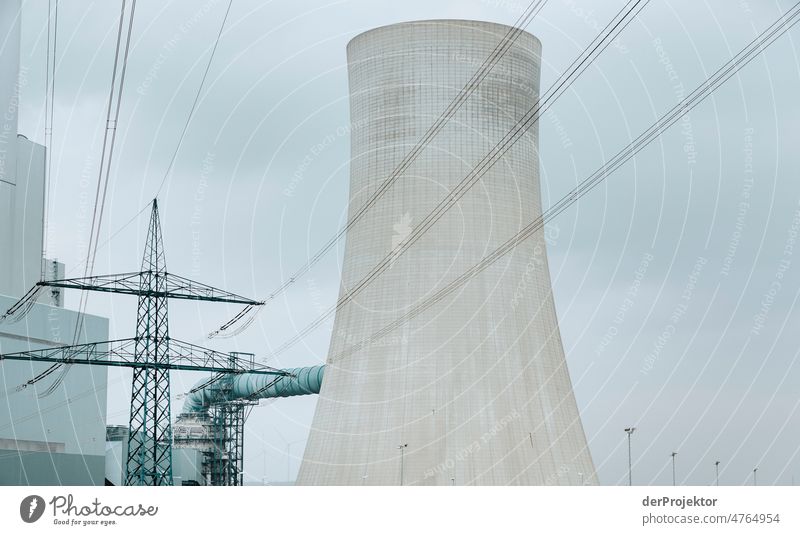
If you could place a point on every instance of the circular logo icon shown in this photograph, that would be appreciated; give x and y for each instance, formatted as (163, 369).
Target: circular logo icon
(31, 508)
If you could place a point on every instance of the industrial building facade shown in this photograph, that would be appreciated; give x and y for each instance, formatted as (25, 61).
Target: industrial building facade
(56, 439)
(475, 390)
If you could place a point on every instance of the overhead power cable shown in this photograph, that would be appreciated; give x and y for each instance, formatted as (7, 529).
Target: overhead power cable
(617, 24)
(472, 84)
(109, 140)
(196, 99)
(724, 73)
(181, 137)
(49, 105)
(19, 310)
(112, 126)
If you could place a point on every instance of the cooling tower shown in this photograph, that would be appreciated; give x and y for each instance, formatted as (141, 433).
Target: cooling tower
(474, 390)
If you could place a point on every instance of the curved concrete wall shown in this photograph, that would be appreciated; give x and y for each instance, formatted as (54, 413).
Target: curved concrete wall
(477, 385)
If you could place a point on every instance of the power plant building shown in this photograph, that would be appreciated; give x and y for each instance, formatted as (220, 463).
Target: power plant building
(56, 439)
(475, 389)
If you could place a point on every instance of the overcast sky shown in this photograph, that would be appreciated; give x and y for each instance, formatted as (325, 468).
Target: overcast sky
(675, 281)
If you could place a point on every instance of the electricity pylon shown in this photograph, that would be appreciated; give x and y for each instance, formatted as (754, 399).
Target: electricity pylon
(153, 355)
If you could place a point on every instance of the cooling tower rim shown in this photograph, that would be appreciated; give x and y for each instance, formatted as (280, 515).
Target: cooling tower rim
(394, 25)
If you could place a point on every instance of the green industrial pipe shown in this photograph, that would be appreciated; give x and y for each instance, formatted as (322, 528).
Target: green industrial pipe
(301, 382)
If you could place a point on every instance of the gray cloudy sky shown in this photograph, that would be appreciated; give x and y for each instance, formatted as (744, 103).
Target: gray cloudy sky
(675, 281)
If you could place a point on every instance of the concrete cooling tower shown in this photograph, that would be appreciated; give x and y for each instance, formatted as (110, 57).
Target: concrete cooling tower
(473, 390)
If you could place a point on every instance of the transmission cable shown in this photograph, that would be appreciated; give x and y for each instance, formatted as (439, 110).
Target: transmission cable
(196, 99)
(166, 174)
(180, 140)
(576, 68)
(724, 73)
(483, 71)
(102, 179)
(49, 105)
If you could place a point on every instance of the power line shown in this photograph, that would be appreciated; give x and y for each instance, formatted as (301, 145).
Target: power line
(755, 47)
(109, 140)
(49, 105)
(95, 230)
(483, 71)
(618, 23)
(180, 139)
(196, 99)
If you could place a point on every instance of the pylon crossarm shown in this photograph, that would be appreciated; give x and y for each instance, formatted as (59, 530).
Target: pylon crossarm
(182, 288)
(117, 283)
(121, 353)
(203, 356)
(175, 287)
(19, 309)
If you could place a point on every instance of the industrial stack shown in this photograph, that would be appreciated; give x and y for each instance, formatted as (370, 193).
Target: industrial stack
(474, 389)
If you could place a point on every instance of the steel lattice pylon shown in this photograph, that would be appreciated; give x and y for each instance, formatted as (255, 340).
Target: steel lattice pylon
(149, 459)
(152, 354)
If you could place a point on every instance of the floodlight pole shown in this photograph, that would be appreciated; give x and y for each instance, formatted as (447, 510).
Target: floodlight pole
(630, 431)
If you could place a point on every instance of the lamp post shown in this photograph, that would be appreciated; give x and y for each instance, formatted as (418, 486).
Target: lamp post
(755, 481)
(716, 465)
(630, 431)
(402, 448)
(289, 458)
(674, 454)
(288, 445)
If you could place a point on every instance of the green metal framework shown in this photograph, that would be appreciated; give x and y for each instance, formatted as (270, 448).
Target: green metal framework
(150, 444)
(121, 353)
(151, 354)
(225, 462)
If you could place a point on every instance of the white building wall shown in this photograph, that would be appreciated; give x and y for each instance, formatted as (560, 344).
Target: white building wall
(72, 419)
(9, 103)
(115, 453)
(27, 218)
(477, 385)
(59, 438)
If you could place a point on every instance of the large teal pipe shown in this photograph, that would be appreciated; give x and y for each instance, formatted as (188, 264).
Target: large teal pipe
(302, 382)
